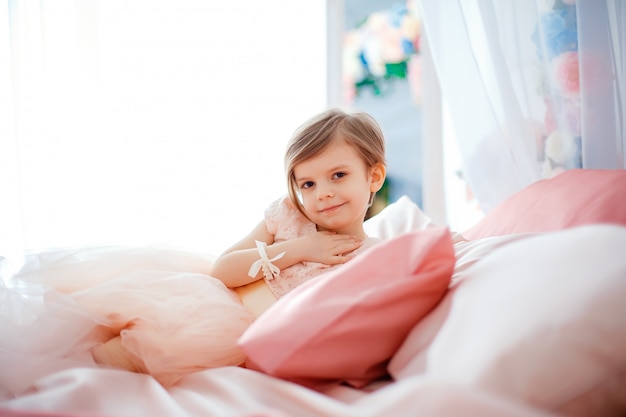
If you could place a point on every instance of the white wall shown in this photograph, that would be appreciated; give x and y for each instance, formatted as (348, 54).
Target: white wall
(150, 121)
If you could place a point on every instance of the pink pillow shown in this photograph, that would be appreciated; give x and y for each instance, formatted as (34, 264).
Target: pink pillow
(573, 198)
(410, 357)
(345, 325)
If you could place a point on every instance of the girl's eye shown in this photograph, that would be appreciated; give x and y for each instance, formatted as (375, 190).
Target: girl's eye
(339, 175)
(307, 184)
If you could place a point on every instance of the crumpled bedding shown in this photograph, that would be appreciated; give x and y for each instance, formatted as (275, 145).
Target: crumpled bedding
(239, 392)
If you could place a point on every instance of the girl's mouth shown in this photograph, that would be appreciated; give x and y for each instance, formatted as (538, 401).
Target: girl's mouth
(331, 208)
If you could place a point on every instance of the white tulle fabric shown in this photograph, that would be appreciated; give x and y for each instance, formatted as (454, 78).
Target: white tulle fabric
(172, 317)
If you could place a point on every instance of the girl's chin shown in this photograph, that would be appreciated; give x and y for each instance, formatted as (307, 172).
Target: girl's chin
(339, 227)
(330, 227)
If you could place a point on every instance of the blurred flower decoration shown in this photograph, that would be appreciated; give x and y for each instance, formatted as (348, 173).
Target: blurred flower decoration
(556, 40)
(382, 48)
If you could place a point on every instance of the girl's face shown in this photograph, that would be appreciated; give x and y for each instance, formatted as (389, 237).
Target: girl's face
(336, 186)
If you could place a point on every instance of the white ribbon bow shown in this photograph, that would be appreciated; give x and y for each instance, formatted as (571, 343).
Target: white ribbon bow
(269, 269)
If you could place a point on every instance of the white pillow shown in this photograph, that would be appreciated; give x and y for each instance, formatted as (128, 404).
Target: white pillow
(543, 321)
(397, 218)
(410, 359)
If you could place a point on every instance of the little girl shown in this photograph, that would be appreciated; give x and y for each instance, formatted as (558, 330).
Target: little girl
(335, 163)
(168, 313)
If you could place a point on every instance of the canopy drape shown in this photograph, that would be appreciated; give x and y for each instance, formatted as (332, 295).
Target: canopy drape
(532, 87)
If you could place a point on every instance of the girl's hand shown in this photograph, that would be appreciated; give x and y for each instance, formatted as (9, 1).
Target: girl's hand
(329, 248)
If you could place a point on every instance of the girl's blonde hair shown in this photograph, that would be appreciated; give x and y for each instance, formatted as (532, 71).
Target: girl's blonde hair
(357, 129)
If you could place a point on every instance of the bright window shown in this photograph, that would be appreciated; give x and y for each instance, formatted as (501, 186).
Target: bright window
(158, 122)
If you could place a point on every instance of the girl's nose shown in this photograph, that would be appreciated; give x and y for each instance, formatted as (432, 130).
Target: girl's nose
(324, 192)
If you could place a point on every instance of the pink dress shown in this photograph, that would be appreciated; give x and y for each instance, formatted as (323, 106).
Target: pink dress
(172, 317)
(285, 222)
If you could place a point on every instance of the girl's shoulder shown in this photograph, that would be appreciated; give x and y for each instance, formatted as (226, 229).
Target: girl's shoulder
(281, 204)
(284, 220)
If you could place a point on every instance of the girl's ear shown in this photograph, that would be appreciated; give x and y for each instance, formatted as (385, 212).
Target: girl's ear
(378, 173)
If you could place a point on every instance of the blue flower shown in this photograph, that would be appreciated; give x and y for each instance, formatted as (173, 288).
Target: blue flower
(364, 63)
(408, 47)
(378, 50)
(396, 14)
(556, 33)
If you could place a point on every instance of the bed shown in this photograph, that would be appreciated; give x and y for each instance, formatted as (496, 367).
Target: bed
(521, 315)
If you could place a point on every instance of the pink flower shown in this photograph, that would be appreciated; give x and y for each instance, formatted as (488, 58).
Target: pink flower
(349, 89)
(392, 46)
(566, 76)
(562, 113)
(414, 75)
(571, 116)
(550, 119)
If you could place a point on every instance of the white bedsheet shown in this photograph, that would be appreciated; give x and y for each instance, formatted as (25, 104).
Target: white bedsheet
(234, 391)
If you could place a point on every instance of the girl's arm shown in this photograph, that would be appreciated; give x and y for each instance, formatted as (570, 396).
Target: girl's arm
(232, 266)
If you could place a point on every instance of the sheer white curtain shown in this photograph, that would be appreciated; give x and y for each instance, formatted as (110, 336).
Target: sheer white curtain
(533, 87)
(150, 121)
